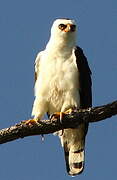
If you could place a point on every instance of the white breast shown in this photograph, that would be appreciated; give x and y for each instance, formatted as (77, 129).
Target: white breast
(57, 85)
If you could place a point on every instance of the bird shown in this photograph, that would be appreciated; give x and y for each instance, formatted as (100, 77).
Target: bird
(63, 82)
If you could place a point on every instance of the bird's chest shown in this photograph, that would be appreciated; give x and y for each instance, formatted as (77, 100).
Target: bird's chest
(58, 83)
(61, 74)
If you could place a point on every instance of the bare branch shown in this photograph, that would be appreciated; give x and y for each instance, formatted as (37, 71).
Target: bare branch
(71, 120)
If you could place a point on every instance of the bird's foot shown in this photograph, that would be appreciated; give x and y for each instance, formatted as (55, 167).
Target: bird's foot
(57, 115)
(60, 115)
(69, 111)
(31, 121)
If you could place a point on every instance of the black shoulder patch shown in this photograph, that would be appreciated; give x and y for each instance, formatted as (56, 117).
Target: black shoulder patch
(84, 78)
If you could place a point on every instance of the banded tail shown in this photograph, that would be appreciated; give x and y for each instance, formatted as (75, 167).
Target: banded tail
(73, 142)
(74, 160)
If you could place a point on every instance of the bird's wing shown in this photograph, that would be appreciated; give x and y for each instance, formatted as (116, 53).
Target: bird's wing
(36, 66)
(84, 79)
(75, 152)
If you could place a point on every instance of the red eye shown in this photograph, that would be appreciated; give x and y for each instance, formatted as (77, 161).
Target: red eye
(62, 26)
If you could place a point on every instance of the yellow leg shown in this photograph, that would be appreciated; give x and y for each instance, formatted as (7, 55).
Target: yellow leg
(69, 111)
(58, 115)
(31, 121)
(61, 114)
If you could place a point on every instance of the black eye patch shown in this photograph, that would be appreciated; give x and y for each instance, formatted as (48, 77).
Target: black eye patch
(62, 26)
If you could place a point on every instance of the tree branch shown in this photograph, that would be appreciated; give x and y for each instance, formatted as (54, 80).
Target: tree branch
(72, 120)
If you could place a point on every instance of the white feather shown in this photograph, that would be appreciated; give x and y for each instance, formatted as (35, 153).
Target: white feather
(56, 88)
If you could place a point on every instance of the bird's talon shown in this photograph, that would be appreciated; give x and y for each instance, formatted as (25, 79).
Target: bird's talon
(42, 137)
(31, 122)
(69, 111)
(62, 131)
(61, 114)
(51, 117)
(56, 115)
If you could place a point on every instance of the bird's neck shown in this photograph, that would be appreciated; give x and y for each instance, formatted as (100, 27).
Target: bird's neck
(60, 44)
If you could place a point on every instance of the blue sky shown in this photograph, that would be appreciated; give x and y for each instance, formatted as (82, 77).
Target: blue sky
(24, 30)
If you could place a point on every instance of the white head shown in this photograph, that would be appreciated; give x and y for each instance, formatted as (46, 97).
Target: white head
(63, 31)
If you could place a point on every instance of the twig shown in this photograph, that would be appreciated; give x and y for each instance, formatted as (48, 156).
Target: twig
(71, 120)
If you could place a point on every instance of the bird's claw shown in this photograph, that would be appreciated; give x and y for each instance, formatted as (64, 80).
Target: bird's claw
(60, 115)
(31, 122)
(69, 111)
(57, 115)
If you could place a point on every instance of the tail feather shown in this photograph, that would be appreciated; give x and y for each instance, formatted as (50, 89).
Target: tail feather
(74, 161)
(73, 142)
(67, 161)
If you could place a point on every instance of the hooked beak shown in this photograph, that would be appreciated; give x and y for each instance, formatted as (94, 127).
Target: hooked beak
(70, 28)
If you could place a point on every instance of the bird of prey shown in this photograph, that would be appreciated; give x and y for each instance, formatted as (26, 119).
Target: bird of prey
(62, 82)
